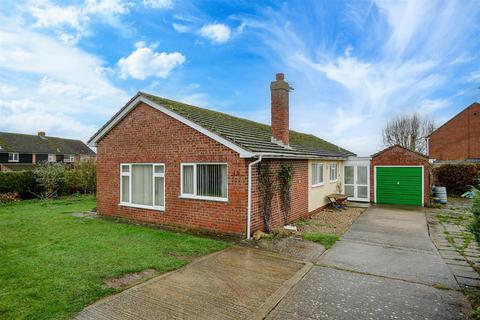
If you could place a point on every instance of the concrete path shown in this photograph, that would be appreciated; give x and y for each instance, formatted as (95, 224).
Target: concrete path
(385, 267)
(238, 283)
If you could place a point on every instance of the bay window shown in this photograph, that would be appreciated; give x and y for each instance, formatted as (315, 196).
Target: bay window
(142, 185)
(206, 181)
(317, 174)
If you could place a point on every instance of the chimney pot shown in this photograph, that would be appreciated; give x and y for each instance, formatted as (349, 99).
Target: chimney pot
(279, 90)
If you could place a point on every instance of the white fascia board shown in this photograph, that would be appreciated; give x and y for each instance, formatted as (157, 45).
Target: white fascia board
(242, 152)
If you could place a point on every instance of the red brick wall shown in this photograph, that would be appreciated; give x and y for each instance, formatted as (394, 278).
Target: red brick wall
(400, 156)
(459, 138)
(147, 135)
(299, 193)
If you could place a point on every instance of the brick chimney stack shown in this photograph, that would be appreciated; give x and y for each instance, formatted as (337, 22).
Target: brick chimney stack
(280, 122)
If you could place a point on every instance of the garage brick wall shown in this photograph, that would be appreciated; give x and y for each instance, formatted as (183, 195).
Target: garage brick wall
(398, 156)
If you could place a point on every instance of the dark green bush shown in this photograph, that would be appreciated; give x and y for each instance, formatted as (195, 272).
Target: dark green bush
(21, 182)
(457, 178)
(81, 177)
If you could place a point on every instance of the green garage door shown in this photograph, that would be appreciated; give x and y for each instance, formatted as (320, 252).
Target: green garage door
(399, 185)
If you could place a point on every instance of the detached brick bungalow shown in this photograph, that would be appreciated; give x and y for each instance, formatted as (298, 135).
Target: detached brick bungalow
(458, 139)
(168, 163)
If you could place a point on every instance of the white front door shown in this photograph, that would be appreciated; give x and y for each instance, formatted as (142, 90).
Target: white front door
(356, 179)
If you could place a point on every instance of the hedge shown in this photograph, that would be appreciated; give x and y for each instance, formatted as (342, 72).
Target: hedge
(21, 182)
(457, 178)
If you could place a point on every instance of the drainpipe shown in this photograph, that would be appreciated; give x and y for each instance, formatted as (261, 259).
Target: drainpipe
(249, 205)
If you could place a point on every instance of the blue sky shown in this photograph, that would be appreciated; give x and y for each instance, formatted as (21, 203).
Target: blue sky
(67, 66)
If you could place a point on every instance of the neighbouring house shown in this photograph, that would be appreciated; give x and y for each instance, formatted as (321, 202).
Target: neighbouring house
(24, 151)
(164, 162)
(458, 139)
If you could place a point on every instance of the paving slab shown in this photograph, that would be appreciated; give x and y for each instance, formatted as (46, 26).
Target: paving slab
(326, 293)
(238, 283)
(415, 266)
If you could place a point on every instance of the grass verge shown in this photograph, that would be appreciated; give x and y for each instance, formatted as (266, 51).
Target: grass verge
(326, 240)
(53, 264)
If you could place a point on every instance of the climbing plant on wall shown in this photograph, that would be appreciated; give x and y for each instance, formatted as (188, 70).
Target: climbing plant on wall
(266, 184)
(285, 177)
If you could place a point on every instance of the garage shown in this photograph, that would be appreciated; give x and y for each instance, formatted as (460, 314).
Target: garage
(399, 177)
(399, 185)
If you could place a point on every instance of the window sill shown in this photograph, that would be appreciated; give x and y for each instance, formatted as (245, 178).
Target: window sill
(185, 196)
(333, 181)
(139, 206)
(13, 161)
(317, 185)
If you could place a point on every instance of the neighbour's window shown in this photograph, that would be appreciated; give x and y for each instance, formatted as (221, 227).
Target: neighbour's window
(142, 185)
(13, 157)
(204, 181)
(52, 158)
(317, 174)
(333, 172)
(68, 158)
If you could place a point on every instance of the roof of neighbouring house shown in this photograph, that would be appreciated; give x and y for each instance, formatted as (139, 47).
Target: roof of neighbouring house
(249, 135)
(27, 143)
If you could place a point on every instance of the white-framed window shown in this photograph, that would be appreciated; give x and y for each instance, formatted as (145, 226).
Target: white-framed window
(52, 158)
(68, 158)
(142, 185)
(317, 174)
(12, 157)
(333, 172)
(206, 181)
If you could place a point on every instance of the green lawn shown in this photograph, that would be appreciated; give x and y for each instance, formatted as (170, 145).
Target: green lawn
(52, 264)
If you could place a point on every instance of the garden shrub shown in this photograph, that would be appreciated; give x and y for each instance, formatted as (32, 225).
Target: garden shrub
(475, 226)
(81, 177)
(50, 177)
(457, 178)
(9, 197)
(21, 182)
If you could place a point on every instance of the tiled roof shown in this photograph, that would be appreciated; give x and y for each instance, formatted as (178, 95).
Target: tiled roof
(27, 143)
(249, 135)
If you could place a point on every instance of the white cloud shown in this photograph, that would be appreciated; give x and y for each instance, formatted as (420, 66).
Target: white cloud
(71, 22)
(144, 62)
(52, 86)
(48, 15)
(217, 32)
(180, 27)
(474, 76)
(158, 4)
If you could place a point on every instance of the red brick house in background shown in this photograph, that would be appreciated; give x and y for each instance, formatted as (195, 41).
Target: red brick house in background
(164, 162)
(459, 138)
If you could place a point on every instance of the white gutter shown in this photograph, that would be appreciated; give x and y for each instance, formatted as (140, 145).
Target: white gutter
(249, 205)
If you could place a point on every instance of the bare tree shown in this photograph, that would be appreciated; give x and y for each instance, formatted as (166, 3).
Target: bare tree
(409, 131)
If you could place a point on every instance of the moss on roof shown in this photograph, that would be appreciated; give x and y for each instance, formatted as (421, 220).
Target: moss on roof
(248, 134)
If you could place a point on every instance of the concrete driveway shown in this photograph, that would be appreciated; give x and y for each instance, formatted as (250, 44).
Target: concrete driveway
(385, 267)
(237, 283)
